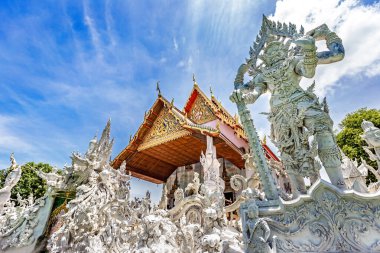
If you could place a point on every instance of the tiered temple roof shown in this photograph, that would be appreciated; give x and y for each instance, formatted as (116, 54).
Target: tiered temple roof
(169, 138)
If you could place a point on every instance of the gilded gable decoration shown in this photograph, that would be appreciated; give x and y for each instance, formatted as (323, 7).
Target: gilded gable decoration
(201, 112)
(165, 128)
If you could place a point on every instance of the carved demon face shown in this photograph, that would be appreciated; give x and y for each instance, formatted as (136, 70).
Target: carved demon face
(274, 52)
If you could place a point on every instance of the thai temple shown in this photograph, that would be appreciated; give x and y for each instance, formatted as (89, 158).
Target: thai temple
(168, 144)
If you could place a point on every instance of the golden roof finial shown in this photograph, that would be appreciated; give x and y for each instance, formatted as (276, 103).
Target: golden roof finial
(211, 92)
(194, 81)
(264, 141)
(158, 88)
(236, 117)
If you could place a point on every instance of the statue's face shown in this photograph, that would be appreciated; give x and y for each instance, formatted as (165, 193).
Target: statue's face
(275, 54)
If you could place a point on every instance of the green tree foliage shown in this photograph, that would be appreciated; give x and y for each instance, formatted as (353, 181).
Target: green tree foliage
(349, 139)
(29, 182)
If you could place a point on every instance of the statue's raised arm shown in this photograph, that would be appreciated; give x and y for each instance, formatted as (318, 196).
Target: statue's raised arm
(309, 57)
(334, 44)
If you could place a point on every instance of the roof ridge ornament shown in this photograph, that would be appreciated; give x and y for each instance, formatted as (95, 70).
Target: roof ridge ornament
(194, 81)
(158, 88)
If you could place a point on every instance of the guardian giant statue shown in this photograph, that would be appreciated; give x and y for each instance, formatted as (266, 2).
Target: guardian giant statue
(301, 127)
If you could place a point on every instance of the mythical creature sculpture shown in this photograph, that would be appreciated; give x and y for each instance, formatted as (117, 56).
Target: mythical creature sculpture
(193, 188)
(164, 198)
(10, 182)
(178, 196)
(158, 234)
(100, 218)
(372, 136)
(52, 179)
(19, 223)
(296, 114)
(211, 165)
(256, 231)
(354, 177)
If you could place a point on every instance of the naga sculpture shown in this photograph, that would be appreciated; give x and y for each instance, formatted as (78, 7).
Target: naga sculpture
(296, 115)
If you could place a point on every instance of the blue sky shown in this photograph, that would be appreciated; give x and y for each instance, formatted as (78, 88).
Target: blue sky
(68, 66)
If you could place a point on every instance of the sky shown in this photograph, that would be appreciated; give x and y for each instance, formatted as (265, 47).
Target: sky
(66, 67)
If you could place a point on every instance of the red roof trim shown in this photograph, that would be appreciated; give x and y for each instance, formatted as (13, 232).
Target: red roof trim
(191, 100)
(269, 152)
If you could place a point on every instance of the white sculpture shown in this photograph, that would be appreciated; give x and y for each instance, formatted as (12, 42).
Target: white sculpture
(20, 225)
(99, 218)
(372, 136)
(12, 178)
(193, 188)
(328, 220)
(256, 231)
(52, 178)
(296, 114)
(354, 177)
(211, 167)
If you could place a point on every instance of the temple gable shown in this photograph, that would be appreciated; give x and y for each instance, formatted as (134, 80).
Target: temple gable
(200, 112)
(165, 128)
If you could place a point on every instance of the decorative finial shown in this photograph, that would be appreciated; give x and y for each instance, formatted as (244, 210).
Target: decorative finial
(172, 102)
(130, 138)
(13, 161)
(211, 92)
(236, 117)
(194, 81)
(158, 88)
(264, 141)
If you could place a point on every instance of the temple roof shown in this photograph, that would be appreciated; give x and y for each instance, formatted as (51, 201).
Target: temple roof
(169, 138)
(202, 109)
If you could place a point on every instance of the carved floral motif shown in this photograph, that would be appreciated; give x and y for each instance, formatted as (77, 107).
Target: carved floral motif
(328, 222)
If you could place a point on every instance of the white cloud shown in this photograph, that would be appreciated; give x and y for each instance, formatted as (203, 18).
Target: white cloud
(8, 139)
(175, 44)
(355, 23)
(95, 36)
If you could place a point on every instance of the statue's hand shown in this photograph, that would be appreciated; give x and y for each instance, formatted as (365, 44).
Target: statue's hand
(305, 42)
(320, 32)
(239, 79)
(236, 96)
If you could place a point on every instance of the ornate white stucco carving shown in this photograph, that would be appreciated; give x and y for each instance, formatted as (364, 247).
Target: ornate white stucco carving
(256, 232)
(328, 220)
(21, 221)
